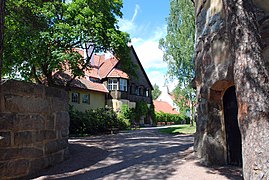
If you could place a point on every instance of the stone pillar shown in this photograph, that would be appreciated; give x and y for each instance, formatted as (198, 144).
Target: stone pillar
(34, 128)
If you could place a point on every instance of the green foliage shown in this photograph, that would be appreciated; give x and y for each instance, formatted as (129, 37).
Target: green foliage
(180, 129)
(126, 115)
(141, 109)
(152, 114)
(41, 36)
(94, 121)
(178, 47)
(176, 118)
(156, 92)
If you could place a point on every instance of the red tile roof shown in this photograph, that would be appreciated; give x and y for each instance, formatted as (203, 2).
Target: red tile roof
(98, 60)
(107, 67)
(61, 78)
(92, 72)
(161, 106)
(94, 86)
(117, 73)
(100, 69)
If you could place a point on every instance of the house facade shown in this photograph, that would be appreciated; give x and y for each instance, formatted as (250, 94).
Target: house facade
(105, 83)
(168, 97)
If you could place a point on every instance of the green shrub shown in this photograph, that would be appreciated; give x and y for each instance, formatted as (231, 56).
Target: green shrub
(124, 124)
(93, 121)
(165, 117)
(141, 109)
(126, 116)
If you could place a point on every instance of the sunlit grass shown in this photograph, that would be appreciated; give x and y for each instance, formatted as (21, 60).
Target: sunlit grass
(179, 129)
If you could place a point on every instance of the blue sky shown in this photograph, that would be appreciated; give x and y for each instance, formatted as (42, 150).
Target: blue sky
(145, 21)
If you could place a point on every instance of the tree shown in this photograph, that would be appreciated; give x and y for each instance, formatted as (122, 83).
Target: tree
(156, 92)
(41, 36)
(182, 101)
(2, 17)
(178, 47)
(252, 88)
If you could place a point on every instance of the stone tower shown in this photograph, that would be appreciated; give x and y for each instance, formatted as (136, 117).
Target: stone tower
(218, 138)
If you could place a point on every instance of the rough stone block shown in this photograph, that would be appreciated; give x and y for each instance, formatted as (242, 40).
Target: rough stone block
(17, 153)
(23, 104)
(51, 147)
(30, 122)
(7, 121)
(5, 139)
(14, 169)
(23, 88)
(62, 120)
(55, 158)
(55, 146)
(50, 122)
(59, 105)
(65, 133)
(24, 138)
(38, 122)
(56, 93)
(38, 164)
(49, 134)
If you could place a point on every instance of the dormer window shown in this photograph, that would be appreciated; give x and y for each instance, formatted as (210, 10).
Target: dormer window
(112, 84)
(123, 84)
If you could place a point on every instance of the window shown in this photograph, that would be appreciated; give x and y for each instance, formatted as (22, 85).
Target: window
(123, 84)
(136, 90)
(141, 91)
(75, 97)
(147, 92)
(86, 98)
(94, 79)
(131, 89)
(112, 84)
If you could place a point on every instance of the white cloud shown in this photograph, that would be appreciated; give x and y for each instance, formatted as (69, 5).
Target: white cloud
(150, 55)
(135, 13)
(159, 78)
(156, 77)
(148, 50)
(128, 25)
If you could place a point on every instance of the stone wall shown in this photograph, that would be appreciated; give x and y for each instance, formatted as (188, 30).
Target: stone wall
(34, 128)
(214, 74)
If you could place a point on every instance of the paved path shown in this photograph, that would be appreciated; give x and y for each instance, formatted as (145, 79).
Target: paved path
(141, 154)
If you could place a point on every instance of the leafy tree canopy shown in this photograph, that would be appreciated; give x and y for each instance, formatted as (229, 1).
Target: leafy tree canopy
(156, 91)
(41, 35)
(178, 47)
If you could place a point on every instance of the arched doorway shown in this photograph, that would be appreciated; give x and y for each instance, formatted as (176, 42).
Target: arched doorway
(233, 135)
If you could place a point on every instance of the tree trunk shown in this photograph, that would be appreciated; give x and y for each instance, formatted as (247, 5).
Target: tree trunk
(252, 87)
(2, 17)
(191, 109)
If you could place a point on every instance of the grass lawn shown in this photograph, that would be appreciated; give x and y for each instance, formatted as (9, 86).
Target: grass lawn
(179, 129)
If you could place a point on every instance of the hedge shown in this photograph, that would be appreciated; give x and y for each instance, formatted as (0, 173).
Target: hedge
(97, 121)
(175, 118)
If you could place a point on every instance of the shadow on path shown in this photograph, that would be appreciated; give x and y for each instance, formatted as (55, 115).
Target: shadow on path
(141, 154)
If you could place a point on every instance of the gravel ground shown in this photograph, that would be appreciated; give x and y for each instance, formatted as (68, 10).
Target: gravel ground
(141, 154)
